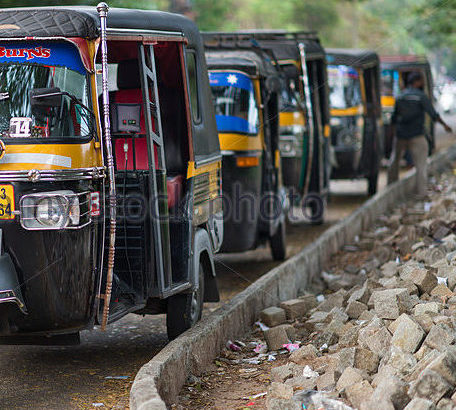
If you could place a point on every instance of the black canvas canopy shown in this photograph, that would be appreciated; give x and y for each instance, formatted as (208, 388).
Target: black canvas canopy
(75, 21)
(247, 61)
(352, 57)
(284, 44)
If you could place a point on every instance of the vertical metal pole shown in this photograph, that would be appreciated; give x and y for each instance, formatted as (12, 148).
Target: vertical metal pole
(102, 9)
(310, 116)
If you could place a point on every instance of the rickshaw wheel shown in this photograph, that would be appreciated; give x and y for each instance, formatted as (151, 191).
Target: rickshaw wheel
(185, 309)
(278, 243)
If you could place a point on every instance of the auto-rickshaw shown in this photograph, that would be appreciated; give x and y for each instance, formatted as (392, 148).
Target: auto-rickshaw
(245, 87)
(394, 73)
(304, 111)
(110, 195)
(356, 116)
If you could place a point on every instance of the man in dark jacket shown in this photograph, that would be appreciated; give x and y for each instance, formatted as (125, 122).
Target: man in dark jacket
(408, 121)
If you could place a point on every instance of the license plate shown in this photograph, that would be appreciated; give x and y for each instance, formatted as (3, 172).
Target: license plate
(6, 202)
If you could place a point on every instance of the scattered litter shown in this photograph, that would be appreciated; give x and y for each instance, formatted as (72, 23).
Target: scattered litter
(98, 404)
(248, 370)
(117, 377)
(232, 346)
(363, 271)
(323, 347)
(308, 373)
(320, 298)
(262, 326)
(251, 361)
(291, 347)
(427, 206)
(260, 348)
(398, 260)
(255, 396)
(271, 358)
(442, 280)
(357, 238)
(239, 343)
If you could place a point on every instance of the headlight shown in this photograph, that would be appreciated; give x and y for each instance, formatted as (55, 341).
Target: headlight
(52, 211)
(335, 121)
(55, 210)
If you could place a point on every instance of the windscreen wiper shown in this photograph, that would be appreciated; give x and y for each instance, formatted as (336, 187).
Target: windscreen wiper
(70, 96)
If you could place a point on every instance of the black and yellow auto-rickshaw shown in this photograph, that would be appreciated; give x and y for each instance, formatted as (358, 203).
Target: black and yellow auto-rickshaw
(356, 115)
(304, 111)
(111, 203)
(245, 87)
(395, 70)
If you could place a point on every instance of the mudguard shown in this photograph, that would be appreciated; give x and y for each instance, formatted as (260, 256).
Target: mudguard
(203, 252)
(10, 290)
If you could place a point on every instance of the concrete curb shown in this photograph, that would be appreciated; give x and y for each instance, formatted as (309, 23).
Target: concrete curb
(159, 382)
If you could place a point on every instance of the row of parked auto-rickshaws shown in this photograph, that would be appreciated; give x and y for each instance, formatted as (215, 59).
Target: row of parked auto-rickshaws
(132, 150)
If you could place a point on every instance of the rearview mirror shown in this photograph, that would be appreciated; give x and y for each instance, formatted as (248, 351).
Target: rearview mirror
(46, 97)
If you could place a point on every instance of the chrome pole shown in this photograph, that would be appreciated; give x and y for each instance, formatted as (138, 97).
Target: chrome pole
(310, 116)
(102, 9)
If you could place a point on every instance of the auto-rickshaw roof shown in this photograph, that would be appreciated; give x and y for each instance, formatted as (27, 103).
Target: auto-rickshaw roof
(352, 57)
(83, 21)
(284, 44)
(247, 61)
(398, 62)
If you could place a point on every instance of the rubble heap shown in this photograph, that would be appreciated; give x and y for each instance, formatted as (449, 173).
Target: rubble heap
(385, 337)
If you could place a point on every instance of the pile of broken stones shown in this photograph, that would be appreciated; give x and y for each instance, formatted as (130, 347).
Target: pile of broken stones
(382, 334)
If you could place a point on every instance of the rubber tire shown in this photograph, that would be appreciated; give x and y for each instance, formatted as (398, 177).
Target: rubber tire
(278, 242)
(372, 184)
(184, 310)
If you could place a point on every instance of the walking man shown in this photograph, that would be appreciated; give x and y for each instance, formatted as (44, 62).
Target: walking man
(408, 122)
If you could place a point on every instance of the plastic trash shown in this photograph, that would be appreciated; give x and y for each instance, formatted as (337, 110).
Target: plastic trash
(320, 298)
(260, 348)
(271, 358)
(442, 280)
(308, 373)
(233, 346)
(291, 347)
(311, 399)
(117, 377)
(262, 326)
(255, 396)
(98, 404)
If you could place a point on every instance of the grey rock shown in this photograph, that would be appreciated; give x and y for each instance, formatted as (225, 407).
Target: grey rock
(273, 316)
(418, 403)
(408, 335)
(430, 385)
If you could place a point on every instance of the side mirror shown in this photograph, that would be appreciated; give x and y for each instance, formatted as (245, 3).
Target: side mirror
(46, 97)
(273, 84)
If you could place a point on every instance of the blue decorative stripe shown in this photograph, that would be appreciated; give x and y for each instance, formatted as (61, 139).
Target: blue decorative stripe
(62, 54)
(229, 123)
(230, 79)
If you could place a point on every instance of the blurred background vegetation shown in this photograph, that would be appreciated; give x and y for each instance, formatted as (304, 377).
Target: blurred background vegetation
(387, 26)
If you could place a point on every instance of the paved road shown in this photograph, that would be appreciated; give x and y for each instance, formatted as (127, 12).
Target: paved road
(75, 377)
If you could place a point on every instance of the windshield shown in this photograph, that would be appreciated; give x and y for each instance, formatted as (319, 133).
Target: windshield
(234, 101)
(390, 83)
(344, 86)
(35, 80)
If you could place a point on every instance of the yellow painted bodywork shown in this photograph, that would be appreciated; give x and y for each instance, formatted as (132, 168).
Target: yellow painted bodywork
(388, 101)
(346, 112)
(239, 142)
(82, 156)
(193, 171)
(288, 119)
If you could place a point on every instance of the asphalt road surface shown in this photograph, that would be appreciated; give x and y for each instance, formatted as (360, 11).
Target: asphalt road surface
(99, 372)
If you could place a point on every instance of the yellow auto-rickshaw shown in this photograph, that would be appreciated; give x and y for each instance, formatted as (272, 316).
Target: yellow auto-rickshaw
(110, 195)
